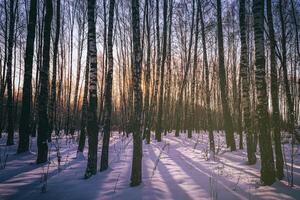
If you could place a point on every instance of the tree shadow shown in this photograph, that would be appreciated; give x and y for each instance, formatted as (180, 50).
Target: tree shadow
(174, 188)
(198, 173)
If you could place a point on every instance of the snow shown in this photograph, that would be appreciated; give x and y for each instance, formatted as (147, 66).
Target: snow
(176, 168)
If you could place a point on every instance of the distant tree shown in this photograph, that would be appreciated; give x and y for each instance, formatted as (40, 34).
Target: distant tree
(274, 94)
(72, 7)
(158, 52)
(228, 126)
(104, 64)
(296, 30)
(207, 90)
(195, 63)
(108, 90)
(84, 108)
(53, 97)
(147, 77)
(187, 65)
(162, 74)
(290, 102)
(4, 67)
(39, 60)
(168, 102)
(10, 123)
(80, 16)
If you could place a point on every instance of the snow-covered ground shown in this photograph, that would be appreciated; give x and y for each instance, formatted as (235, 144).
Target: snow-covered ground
(176, 168)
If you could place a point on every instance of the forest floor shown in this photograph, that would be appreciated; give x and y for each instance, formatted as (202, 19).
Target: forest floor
(176, 168)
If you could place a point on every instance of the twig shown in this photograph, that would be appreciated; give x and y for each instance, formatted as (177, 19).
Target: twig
(158, 158)
(117, 182)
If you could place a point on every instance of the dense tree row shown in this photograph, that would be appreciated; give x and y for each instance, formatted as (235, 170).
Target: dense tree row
(77, 68)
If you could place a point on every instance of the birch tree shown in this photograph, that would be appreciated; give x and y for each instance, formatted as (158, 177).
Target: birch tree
(266, 150)
(244, 67)
(136, 170)
(92, 126)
